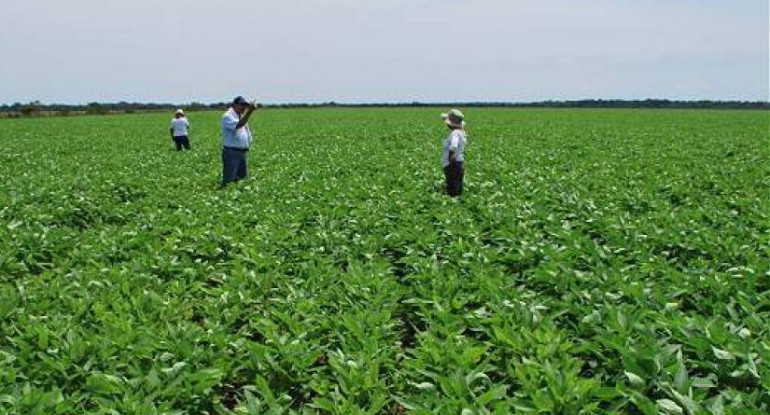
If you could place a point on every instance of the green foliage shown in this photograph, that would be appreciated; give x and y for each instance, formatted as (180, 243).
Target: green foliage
(599, 262)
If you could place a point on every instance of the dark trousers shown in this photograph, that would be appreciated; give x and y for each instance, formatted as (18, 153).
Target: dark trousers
(233, 165)
(454, 173)
(182, 141)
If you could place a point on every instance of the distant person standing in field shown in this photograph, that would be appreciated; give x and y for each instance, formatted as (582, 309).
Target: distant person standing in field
(179, 127)
(236, 140)
(452, 156)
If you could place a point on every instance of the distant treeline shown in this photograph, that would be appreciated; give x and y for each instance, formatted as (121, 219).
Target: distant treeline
(36, 108)
(585, 103)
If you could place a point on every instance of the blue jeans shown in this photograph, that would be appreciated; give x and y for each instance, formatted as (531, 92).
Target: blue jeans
(233, 165)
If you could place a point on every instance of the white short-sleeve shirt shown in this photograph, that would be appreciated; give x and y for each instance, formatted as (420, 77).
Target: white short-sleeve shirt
(180, 126)
(234, 137)
(455, 142)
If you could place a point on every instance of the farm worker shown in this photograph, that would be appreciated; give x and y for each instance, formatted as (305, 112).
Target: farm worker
(236, 140)
(179, 126)
(452, 156)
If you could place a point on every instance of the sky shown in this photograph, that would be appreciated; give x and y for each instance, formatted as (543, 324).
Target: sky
(181, 51)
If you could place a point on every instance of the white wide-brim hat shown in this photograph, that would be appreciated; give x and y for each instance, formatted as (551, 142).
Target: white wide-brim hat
(179, 111)
(454, 118)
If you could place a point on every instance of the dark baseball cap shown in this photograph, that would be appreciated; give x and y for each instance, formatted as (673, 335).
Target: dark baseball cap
(239, 100)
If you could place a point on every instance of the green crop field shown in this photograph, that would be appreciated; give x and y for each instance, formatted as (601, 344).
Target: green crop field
(599, 261)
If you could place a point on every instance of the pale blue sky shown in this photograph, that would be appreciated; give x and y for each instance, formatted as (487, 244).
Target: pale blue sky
(180, 51)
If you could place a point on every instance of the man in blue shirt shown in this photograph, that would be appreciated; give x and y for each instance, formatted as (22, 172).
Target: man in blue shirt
(236, 140)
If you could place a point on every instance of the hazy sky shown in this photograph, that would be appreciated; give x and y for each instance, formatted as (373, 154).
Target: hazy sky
(180, 51)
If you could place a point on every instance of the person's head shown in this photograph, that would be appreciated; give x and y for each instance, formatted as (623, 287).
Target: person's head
(240, 104)
(179, 113)
(454, 119)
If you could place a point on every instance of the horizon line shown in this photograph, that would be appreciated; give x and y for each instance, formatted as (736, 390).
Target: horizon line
(397, 103)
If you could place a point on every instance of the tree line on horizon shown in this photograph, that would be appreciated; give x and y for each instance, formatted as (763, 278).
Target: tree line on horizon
(36, 108)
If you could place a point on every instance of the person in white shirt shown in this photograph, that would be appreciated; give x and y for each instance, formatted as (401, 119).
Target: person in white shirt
(452, 157)
(236, 140)
(179, 127)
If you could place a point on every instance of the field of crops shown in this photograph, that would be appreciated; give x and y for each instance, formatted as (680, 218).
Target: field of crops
(599, 261)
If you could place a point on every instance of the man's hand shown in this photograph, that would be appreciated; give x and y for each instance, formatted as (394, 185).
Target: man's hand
(252, 106)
